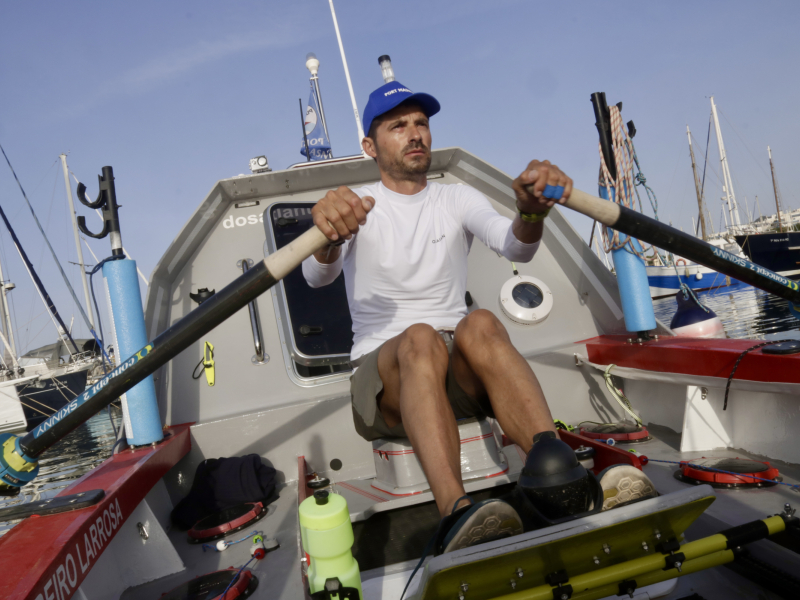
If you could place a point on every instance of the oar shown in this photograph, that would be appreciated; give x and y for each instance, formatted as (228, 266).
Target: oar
(668, 238)
(18, 463)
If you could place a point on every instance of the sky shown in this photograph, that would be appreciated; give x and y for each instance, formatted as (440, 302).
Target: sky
(178, 95)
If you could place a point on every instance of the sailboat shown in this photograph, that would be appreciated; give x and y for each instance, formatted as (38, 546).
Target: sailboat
(777, 250)
(46, 379)
(667, 279)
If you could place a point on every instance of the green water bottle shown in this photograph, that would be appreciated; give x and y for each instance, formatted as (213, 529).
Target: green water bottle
(327, 537)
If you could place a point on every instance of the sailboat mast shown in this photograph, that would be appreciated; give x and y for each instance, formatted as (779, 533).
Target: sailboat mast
(730, 197)
(775, 189)
(697, 187)
(61, 328)
(7, 329)
(73, 216)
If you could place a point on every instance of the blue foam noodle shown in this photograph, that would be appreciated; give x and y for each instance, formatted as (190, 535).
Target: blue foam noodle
(142, 419)
(634, 289)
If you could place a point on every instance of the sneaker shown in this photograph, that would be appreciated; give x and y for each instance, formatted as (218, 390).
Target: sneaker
(482, 522)
(625, 484)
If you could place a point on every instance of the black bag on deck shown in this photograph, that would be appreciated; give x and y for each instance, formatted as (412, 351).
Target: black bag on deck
(223, 483)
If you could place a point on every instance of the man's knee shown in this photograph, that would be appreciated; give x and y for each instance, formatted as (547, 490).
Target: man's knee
(478, 329)
(421, 343)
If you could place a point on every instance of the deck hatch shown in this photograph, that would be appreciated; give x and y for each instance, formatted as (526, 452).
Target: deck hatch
(317, 324)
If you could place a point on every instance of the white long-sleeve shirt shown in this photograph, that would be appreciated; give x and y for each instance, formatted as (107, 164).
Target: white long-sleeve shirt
(408, 263)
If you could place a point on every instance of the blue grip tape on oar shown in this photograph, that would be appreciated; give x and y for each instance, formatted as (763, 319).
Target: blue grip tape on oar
(554, 192)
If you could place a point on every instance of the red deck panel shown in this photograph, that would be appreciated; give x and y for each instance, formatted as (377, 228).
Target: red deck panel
(695, 356)
(47, 558)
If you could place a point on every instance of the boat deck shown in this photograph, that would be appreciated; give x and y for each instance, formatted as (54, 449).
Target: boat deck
(389, 542)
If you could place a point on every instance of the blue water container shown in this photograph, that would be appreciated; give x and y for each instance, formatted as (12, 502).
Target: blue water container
(634, 289)
(139, 405)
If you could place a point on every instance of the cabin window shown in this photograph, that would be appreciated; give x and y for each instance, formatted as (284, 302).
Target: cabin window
(317, 325)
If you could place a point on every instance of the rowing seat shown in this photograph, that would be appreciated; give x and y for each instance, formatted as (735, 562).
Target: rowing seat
(399, 472)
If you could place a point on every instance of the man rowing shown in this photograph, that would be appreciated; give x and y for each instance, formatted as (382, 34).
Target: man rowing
(403, 244)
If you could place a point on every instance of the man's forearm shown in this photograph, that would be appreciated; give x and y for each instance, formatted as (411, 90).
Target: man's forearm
(527, 233)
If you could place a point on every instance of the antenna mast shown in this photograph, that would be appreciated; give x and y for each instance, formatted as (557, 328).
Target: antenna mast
(347, 76)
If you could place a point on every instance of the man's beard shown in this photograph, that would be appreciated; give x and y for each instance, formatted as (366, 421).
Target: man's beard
(399, 169)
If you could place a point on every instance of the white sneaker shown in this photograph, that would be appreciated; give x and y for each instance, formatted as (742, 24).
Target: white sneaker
(625, 484)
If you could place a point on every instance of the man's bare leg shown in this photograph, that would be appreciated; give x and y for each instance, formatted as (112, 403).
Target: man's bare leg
(486, 363)
(413, 368)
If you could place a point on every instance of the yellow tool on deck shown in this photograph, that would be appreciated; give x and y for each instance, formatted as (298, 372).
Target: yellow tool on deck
(207, 362)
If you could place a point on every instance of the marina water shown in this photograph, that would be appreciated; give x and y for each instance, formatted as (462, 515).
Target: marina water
(81, 451)
(745, 312)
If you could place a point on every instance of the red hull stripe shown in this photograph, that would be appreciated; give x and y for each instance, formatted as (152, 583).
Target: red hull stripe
(366, 494)
(49, 557)
(402, 452)
(497, 474)
(396, 495)
(694, 356)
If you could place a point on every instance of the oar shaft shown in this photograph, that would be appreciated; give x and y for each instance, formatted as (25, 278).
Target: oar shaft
(668, 238)
(174, 340)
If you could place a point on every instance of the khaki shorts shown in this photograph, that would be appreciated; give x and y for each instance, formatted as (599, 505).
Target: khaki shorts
(366, 384)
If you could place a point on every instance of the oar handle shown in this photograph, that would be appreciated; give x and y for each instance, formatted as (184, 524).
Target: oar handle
(288, 258)
(600, 210)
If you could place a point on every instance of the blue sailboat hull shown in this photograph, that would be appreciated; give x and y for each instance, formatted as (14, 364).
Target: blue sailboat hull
(778, 252)
(664, 281)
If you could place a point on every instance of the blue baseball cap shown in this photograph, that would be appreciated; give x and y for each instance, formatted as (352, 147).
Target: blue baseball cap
(391, 94)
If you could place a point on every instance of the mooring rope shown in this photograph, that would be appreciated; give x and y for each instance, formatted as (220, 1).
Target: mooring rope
(625, 185)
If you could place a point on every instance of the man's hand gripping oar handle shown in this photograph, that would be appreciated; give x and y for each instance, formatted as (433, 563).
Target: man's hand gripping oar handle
(673, 240)
(18, 455)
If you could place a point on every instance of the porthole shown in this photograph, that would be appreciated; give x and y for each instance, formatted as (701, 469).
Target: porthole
(526, 300)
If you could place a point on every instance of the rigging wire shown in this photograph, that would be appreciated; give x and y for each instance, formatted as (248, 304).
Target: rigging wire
(705, 164)
(101, 340)
(38, 333)
(724, 116)
(768, 183)
(53, 252)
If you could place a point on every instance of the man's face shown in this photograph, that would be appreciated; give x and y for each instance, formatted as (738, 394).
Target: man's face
(402, 144)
